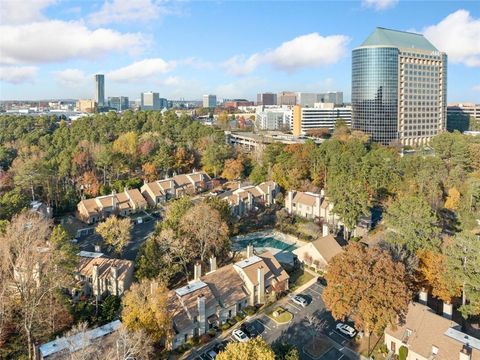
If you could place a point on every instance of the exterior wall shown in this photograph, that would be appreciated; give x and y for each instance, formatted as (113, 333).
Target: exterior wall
(297, 121)
(398, 343)
(308, 250)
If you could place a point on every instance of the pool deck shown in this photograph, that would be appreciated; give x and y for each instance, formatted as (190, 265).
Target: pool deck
(277, 235)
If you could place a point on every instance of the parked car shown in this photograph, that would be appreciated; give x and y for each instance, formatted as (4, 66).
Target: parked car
(250, 330)
(299, 300)
(218, 347)
(322, 281)
(346, 329)
(211, 355)
(239, 335)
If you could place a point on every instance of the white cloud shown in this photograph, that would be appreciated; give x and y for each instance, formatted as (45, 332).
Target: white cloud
(119, 11)
(241, 88)
(476, 88)
(379, 5)
(141, 70)
(18, 74)
(459, 36)
(21, 12)
(54, 41)
(70, 77)
(311, 50)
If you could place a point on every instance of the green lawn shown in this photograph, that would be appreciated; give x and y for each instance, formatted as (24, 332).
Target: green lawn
(298, 278)
(284, 317)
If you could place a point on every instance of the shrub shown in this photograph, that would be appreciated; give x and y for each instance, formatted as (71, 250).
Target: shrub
(211, 332)
(183, 348)
(232, 321)
(225, 326)
(239, 317)
(250, 310)
(402, 353)
(205, 338)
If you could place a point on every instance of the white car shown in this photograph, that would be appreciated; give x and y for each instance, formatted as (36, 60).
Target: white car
(300, 301)
(240, 336)
(346, 329)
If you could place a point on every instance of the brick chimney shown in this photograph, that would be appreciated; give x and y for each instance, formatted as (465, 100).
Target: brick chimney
(447, 310)
(423, 296)
(197, 271)
(289, 202)
(114, 272)
(95, 280)
(269, 195)
(325, 230)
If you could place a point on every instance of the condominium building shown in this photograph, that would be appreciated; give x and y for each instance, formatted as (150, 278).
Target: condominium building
(321, 116)
(276, 118)
(119, 103)
(209, 101)
(460, 116)
(266, 99)
(287, 98)
(150, 101)
(100, 89)
(399, 84)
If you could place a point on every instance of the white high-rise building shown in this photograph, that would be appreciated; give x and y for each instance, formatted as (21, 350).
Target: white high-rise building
(150, 101)
(321, 116)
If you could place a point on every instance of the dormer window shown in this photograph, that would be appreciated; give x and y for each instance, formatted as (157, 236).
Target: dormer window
(434, 350)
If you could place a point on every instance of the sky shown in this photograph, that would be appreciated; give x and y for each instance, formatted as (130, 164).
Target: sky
(50, 49)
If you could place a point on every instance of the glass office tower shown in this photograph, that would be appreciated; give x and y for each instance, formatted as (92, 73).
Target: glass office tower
(100, 89)
(398, 88)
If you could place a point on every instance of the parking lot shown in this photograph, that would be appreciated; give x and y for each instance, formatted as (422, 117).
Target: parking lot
(298, 331)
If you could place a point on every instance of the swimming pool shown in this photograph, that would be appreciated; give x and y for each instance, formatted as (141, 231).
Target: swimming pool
(263, 241)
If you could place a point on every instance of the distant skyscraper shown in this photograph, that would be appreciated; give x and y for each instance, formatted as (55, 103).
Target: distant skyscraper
(209, 101)
(399, 88)
(331, 97)
(150, 101)
(287, 98)
(266, 99)
(100, 89)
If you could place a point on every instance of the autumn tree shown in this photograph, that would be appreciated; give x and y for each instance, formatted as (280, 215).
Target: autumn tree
(255, 348)
(453, 199)
(184, 160)
(206, 229)
(126, 144)
(232, 169)
(90, 184)
(149, 171)
(145, 307)
(115, 232)
(175, 211)
(412, 223)
(366, 285)
(30, 264)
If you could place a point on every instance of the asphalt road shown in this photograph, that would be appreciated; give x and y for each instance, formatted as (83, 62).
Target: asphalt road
(301, 329)
(140, 233)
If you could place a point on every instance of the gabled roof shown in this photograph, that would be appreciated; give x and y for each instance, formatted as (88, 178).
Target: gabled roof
(399, 39)
(305, 198)
(105, 265)
(428, 329)
(327, 247)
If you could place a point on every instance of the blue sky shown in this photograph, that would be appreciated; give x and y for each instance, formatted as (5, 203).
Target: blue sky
(183, 49)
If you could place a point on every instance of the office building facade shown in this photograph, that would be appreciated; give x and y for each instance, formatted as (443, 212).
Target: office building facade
(100, 89)
(273, 119)
(399, 82)
(266, 99)
(321, 116)
(287, 98)
(463, 116)
(335, 97)
(150, 101)
(119, 103)
(209, 101)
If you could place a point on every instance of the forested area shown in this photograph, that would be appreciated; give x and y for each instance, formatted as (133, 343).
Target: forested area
(428, 236)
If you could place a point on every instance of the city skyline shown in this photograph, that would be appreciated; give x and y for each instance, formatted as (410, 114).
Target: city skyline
(149, 46)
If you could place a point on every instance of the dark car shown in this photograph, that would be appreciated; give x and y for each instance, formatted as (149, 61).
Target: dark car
(322, 281)
(250, 330)
(219, 347)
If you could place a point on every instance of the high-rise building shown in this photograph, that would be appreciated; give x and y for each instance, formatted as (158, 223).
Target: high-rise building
(100, 89)
(321, 116)
(463, 116)
(399, 88)
(119, 103)
(335, 97)
(150, 101)
(287, 98)
(266, 99)
(209, 101)
(306, 99)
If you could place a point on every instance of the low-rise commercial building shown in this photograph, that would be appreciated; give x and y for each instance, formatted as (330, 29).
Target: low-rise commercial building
(460, 116)
(321, 116)
(273, 118)
(86, 105)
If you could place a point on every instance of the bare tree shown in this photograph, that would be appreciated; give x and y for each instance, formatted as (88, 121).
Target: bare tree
(130, 345)
(28, 266)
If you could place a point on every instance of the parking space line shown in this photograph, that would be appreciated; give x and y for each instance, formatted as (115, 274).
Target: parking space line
(293, 305)
(317, 292)
(264, 324)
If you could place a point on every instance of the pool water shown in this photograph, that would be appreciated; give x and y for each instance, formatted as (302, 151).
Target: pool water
(262, 243)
